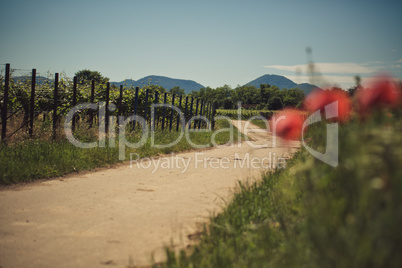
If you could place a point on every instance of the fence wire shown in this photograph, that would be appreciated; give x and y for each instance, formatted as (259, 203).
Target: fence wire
(128, 101)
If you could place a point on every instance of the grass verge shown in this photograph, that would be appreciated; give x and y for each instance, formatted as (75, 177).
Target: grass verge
(314, 215)
(39, 159)
(260, 123)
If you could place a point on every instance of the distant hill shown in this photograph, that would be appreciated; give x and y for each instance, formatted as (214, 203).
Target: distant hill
(281, 82)
(189, 85)
(39, 79)
(166, 82)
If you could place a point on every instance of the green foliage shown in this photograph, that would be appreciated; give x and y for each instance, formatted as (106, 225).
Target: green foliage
(260, 123)
(245, 94)
(177, 90)
(224, 97)
(353, 212)
(86, 76)
(275, 103)
(227, 98)
(221, 96)
(39, 159)
(314, 215)
(244, 114)
(20, 91)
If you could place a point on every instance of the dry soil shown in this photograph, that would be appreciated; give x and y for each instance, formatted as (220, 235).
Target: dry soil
(123, 216)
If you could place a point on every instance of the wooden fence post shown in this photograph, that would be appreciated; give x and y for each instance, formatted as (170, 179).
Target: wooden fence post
(171, 114)
(136, 103)
(107, 107)
(164, 111)
(120, 107)
(191, 110)
(32, 103)
(207, 113)
(154, 111)
(92, 100)
(5, 102)
(213, 115)
(210, 114)
(196, 113)
(201, 108)
(178, 116)
(185, 111)
(55, 103)
(146, 105)
(74, 101)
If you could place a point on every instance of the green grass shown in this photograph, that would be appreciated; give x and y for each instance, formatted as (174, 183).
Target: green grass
(260, 123)
(245, 114)
(314, 215)
(39, 159)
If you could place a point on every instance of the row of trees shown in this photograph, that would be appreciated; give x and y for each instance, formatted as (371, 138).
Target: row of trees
(266, 97)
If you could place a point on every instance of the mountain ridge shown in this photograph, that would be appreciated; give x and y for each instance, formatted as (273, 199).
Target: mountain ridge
(166, 82)
(190, 85)
(281, 82)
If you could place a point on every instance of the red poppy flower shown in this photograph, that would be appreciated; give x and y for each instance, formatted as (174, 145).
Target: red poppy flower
(287, 124)
(344, 105)
(383, 92)
(319, 99)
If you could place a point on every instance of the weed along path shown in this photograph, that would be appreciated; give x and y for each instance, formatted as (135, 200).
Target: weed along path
(122, 216)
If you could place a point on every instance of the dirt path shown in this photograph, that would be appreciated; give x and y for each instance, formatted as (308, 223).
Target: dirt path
(122, 216)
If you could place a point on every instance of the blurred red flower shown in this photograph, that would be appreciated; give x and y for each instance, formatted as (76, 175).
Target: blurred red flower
(344, 105)
(319, 99)
(382, 92)
(288, 124)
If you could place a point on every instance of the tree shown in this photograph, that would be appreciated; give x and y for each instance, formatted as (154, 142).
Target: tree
(177, 90)
(265, 93)
(290, 101)
(153, 89)
(85, 76)
(275, 103)
(246, 94)
(222, 96)
(293, 97)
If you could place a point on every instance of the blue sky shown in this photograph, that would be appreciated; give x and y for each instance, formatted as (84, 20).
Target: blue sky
(211, 42)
